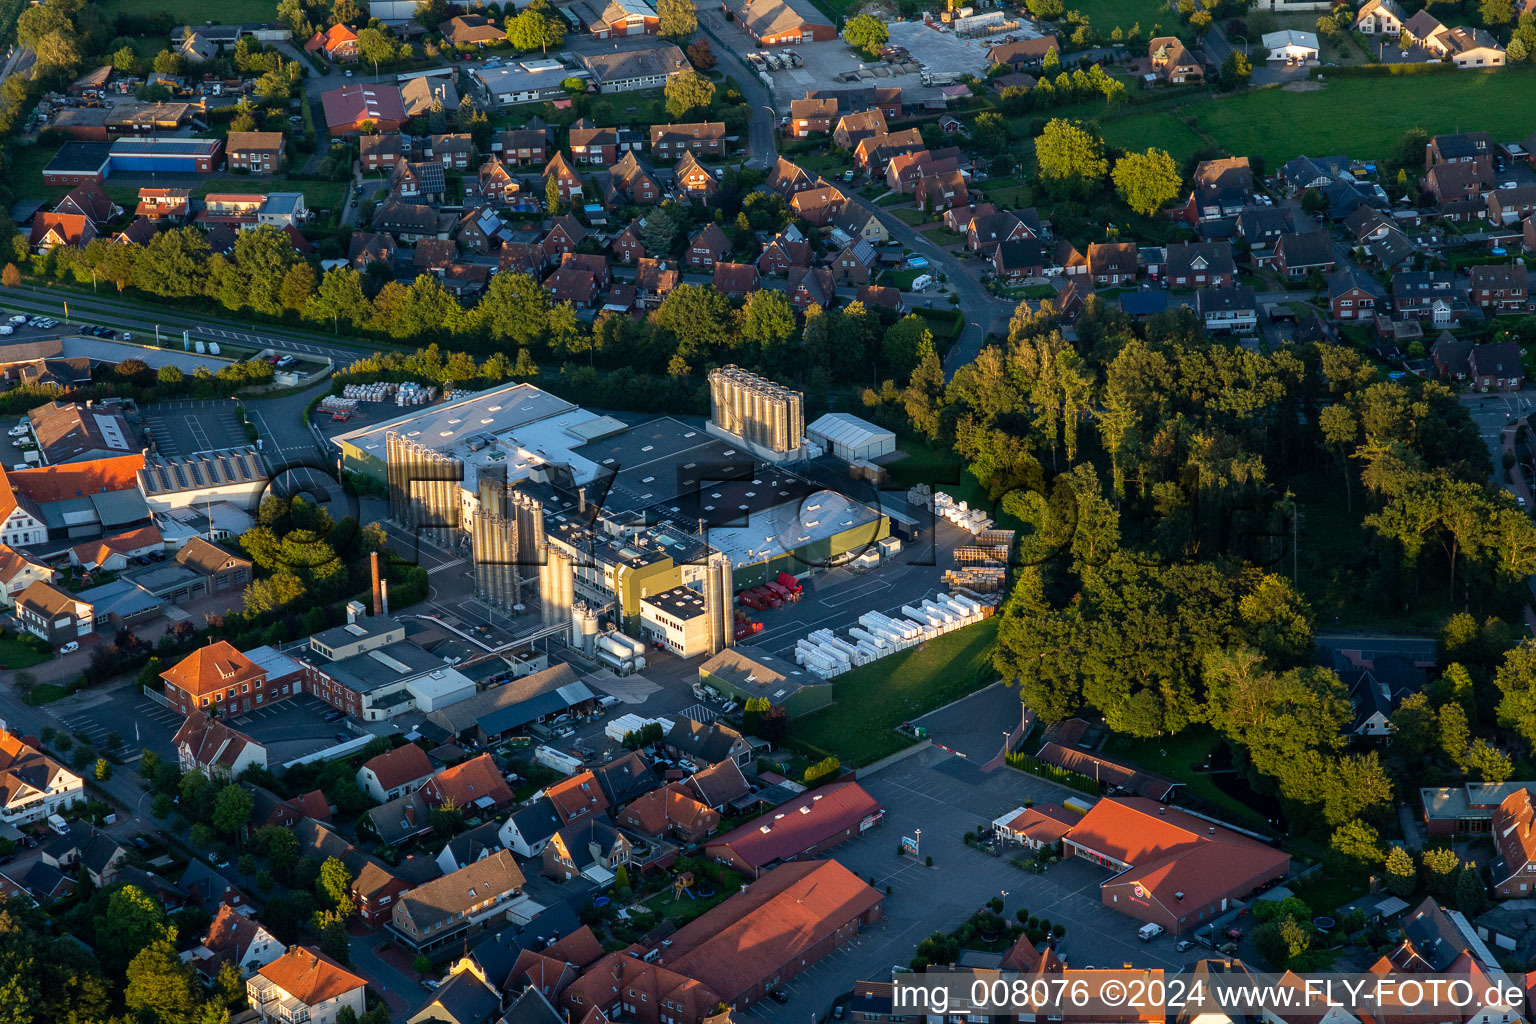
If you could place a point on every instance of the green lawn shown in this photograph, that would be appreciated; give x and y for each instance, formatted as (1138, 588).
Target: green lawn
(1139, 131)
(873, 700)
(1366, 117)
(1106, 15)
(1177, 758)
(944, 236)
(46, 693)
(14, 654)
(227, 12)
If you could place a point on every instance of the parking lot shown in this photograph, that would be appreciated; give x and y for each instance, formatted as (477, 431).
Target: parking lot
(826, 64)
(946, 796)
(974, 726)
(291, 728)
(186, 428)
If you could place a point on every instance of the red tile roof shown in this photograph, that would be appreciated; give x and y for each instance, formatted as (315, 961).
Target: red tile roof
(96, 552)
(78, 480)
(310, 976)
(399, 766)
(1514, 832)
(780, 919)
(213, 668)
(795, 827)
(577, 796)
(312, 805)
(464, 784)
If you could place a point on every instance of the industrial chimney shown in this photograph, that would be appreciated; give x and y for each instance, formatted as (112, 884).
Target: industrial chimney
(378, 595)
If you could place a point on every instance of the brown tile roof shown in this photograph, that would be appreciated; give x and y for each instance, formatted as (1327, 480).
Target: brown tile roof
(468, 782)
(206, 557)
(48, 598)
(660, 809)
(312, 805)
(12, 562)
(779, 920)
(691, 999)
(211, 742)
(719, 784)
(1514, 835)
(735, 277)
(577, 796)
(310, 976)
(445, 898)
(806, 109)
(399, 766)
(96, 552)
(79, 479)
(253, 142)
(215, 667)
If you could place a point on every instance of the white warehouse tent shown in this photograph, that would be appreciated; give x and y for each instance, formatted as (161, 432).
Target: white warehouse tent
(849, 437)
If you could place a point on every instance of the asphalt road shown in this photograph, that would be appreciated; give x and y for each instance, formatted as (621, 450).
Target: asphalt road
(112, 312)
(763, 128)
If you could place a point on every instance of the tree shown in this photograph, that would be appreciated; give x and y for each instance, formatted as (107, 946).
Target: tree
(131, 921)
(1488, 762)
(552, 201)
(345, 12)
(1147, 180)
(10, 276)
(1402, 877)
(1358, 845)
(1071, 157)
(767, 319)
(1235, 71)
(1471, 893)
(679, 19)
(375, 46)
(1516, 52)
(232, 809)
(988, 131)
(688, 91)
(1413, 727)
(1496, 12)
(701, 54)
(160, 987)
(1442, 866)
(1454, 733)
(1516, 681)
(536, 28)
(103, 770)
(867, 34)
(298, 287)
(335, 885)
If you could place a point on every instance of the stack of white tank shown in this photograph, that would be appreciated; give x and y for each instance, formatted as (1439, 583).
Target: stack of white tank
(961, 514)
(828, 655)
(622, 726)
(623, 654)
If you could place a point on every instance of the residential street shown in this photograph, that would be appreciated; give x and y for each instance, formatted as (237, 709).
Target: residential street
(763, 128)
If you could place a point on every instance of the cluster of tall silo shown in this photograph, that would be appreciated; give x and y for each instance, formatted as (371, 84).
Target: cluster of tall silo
(756, 409)
(423, 487)
(718, 588)
(583, 628)
(508, 538)
(557, 585)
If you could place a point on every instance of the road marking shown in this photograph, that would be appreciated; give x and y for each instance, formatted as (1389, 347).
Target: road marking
(446, 565)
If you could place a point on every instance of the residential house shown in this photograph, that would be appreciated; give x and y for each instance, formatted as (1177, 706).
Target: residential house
(820, 205)
(589, 849)
(654, 280)
(305, 985)
(672, 813)
(1454, 181)
(570, 181)
(694, 180)
(1470, 46)
(235, 938)
(524, 146)
(941, 191)
(54, 615)
(476, 786)
(207, 745)
(1414, 291)
(83, 848)
(593, 145)
(1500, 287)
(1225, 310)
(394, 773)
(444, 910)
(520, 258)
(1221, 188)
(782, 253)
(365, 248)
(1072, 299)
(481, 232)
(1496, 366)
(1297, 254)
(577, 797)
(1352, 294)
(434, 255)
(422, 93)
(32, 784)
(90, 200)
(788, 177)
(631, 182)
(986, 231)
(629, 245)
(1510, 205)
(805, 827)
(625, 777)
(380, 152)
(573, 283)
(1172, 63)
(473, 30)
(455, 151)
(1474, 148)
(882, 295)
(1452, 357)
(217, 676)
(1112, 263)
(737, 280)
(1200, 264)
(851, 129)
(50, 230)
(858, 222)
(811, 117)
(1066, 259)
(1019, 261)
(421, 183)
(495, 184)
(1514, 873)
(704, 138)
(527, 830)
(1380, 18)
(565, 234)
(338, 43)
(811, 286)
(255, 152)
(173, 205)
(1425, 30)
(873, 153)
(374, 887)
(854, 264)
(18, 571)
(718, 786)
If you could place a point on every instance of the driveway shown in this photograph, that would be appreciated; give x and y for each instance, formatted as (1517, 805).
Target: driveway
(762, 128)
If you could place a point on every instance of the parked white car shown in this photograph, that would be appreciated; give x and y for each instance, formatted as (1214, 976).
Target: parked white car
(70, 648)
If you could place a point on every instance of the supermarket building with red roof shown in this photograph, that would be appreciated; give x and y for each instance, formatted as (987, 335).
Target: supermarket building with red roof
(1171, 867)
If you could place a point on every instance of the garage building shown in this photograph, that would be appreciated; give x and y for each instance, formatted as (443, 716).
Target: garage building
(166, 155)
(850, 438)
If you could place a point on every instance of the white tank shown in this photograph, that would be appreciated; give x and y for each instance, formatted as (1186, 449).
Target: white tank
(583, 627)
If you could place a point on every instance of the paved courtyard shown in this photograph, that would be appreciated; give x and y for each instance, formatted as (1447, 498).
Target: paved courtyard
(186, 428)
(974, 727)
(946, 796)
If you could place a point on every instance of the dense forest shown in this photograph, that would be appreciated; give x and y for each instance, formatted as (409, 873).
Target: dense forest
(1156, 471)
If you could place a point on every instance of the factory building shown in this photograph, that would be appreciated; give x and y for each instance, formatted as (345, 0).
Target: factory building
(754, 411)
(692, 622)
(507, 536)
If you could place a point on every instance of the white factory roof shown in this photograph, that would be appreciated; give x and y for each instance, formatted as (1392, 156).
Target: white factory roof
(793, 525)
(442, 427)
(842, 428)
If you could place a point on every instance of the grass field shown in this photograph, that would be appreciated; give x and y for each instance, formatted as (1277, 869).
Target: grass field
(16, 655)
(1366, 117)
(1176, 757)
(318, 195)
(1137, 131)
(873, 700)
(1107, 15)
(228, 12)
